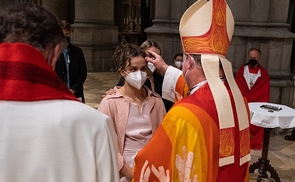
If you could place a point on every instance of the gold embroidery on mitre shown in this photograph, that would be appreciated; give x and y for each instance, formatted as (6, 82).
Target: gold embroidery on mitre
(244, 142)
(227, 143)
(216, 39)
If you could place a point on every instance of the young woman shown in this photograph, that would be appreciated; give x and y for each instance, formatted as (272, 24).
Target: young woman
(135, 110)
(155, 80)
(150, 45)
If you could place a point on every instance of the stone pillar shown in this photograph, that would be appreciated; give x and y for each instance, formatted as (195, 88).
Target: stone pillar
(57, 7)
(267, 29)
(4, 4)
(94, 31)
(165, 27)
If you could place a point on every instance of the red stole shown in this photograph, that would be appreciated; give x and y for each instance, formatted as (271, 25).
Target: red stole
(26, 76)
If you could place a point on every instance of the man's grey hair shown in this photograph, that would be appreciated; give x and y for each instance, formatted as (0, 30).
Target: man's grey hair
(197, 58)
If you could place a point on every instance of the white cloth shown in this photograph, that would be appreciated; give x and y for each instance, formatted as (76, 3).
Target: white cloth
(267, 118)
(170, 79)
(56, 141)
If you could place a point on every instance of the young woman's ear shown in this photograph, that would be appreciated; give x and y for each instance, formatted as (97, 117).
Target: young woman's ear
(121, 71)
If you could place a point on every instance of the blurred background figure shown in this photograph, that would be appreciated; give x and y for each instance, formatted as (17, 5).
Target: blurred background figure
(178, 59)
(71, 65)
(254, 83)
(156, 79)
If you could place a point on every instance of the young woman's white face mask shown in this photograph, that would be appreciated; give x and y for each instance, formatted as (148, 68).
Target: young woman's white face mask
(136, 79)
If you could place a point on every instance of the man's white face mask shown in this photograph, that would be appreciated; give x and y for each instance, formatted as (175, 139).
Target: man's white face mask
(136, 79)
(151, 66)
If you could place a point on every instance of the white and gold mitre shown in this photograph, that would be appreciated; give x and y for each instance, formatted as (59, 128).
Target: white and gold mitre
(207, 27)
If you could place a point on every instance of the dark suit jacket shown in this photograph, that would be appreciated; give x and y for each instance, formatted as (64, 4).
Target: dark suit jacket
(78, 69)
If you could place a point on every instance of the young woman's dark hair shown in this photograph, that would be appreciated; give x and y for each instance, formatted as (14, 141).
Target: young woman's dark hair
(124, 53)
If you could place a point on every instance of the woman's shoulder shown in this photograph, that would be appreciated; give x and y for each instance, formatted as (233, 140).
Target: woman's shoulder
(113, 92)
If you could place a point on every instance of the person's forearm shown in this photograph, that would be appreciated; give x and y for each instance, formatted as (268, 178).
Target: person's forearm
(169, 83)
(163, 69)
(158, 62)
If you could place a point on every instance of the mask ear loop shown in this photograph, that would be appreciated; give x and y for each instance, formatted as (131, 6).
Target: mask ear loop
(186, 73)
(191, 59)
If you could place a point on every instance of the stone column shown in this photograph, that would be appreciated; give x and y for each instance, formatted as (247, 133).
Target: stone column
(4, 4)
(57, 7)
(165, 27)
(94, 31)
(263, 24)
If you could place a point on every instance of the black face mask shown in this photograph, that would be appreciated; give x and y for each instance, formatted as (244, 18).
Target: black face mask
(253, 62)
(68, 39)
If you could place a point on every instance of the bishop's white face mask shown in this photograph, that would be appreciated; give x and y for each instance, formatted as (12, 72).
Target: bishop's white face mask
(178, 64)
(136, 79)
(151, 66)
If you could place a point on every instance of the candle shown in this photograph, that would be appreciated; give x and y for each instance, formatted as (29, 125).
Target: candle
(124, 21)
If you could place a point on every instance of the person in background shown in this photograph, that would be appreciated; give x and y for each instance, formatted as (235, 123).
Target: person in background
(205, 136)
(177, 60)
(254, 83)
(155, 81)
(71, 65)
(135, 109)
(46, 134)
